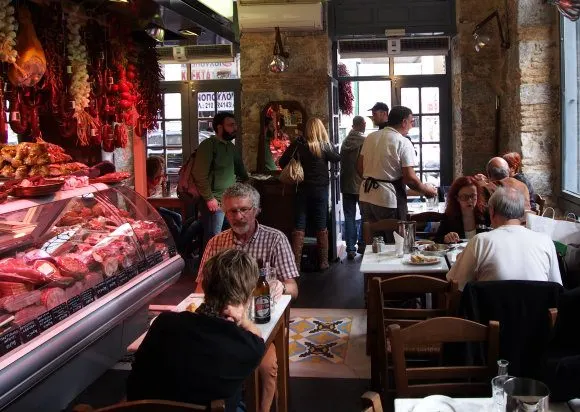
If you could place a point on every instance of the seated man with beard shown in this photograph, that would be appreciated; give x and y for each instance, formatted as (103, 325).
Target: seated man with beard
(241, 205)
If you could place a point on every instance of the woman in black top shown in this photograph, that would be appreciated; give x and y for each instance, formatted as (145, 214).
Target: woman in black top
(314, 152)
(465, 213)
(203, 356)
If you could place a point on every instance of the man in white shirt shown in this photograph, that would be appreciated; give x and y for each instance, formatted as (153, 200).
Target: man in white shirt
(386, 163)
(510, 251)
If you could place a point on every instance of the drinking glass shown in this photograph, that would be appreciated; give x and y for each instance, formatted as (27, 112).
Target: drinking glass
(432, 203)
(270, 278)
(497, 392)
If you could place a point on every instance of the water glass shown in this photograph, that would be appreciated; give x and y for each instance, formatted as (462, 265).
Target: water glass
(432, 203)
(497, 392)
(270, 278)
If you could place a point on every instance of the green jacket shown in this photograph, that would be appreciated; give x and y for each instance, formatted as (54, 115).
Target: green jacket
(217, 163)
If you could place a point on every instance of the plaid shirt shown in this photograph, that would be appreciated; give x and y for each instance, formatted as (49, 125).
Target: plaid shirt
(268, 243)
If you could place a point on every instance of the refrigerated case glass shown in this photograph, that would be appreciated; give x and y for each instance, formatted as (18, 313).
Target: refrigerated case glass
(58, 257)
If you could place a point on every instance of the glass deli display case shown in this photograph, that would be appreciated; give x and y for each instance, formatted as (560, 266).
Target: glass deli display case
(76, 272)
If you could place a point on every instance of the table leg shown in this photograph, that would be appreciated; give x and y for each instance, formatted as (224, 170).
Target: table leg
(252, 393)
(281, 343)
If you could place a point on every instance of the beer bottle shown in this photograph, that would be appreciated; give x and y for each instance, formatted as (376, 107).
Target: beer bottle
(262, 297)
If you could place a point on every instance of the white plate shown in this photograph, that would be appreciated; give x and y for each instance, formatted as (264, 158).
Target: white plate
(435, 403)
(408, 262)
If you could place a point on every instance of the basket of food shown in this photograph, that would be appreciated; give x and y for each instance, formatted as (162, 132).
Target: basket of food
(35, 187)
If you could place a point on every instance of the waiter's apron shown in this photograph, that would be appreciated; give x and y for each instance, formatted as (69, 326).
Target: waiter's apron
(370, 183)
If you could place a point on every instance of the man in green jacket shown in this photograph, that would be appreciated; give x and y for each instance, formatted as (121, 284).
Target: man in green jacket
(217, 163)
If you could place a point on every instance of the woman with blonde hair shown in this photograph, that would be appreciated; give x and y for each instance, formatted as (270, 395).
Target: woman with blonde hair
(314, 152)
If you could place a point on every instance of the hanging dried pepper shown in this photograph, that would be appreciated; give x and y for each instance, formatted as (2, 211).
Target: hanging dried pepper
(345, 96)
(151, 102)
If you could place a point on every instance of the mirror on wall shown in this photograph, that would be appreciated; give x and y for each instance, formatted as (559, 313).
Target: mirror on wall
(282, 122)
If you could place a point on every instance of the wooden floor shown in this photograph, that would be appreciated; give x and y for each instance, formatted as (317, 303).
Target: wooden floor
(340, 287)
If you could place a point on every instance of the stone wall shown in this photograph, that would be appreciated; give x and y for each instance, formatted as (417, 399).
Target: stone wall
(524, 77)
(305, 81)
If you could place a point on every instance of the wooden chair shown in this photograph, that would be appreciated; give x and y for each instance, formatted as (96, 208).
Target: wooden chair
(380, 316)
(371, 402)
(541, 202)
(382, 226)
(422, 219)
(466, 381)
(150, 405)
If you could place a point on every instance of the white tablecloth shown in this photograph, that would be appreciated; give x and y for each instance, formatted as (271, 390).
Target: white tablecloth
(470, 405)
(386, 262)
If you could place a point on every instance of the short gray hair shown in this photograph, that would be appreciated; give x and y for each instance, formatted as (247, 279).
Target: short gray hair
(358, 121)
(507, 202)
(243, 190)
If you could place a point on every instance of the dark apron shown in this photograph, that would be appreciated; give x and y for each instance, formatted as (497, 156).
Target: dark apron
(370, 183)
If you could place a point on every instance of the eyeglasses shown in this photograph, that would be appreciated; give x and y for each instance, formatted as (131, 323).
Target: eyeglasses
(242, 210)
(465, 198)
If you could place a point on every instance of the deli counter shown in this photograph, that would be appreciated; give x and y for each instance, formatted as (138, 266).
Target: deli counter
(77, 270)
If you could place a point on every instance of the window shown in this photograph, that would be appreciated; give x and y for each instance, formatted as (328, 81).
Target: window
(570, 108)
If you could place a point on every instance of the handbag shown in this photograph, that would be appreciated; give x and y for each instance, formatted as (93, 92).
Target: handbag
(564, 231)
(293, 173)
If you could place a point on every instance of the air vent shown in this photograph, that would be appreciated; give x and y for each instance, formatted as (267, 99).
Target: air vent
(198, 54)
(410, 46)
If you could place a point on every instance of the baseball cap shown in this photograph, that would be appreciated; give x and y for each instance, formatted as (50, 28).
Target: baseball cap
(380, 106)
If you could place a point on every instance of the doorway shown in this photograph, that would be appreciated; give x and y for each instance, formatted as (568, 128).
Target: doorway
(186, 119)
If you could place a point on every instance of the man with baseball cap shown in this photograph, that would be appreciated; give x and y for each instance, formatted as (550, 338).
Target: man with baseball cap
(380, 114)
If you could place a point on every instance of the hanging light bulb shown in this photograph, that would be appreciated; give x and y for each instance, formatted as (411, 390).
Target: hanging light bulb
(481, 40)
(279, 62)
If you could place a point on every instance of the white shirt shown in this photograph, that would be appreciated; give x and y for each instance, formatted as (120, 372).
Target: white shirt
(385, 153)
(509, 252)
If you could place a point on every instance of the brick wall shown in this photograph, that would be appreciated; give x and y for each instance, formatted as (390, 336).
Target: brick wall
(305, 81)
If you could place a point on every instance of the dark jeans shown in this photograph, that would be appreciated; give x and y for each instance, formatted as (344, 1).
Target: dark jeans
(211, 222)
(173, 221)
(349, 202)
(311, 202)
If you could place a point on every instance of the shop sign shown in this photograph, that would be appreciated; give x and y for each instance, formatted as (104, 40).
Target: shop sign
(205, 102)
(225, 101)
(213, 71)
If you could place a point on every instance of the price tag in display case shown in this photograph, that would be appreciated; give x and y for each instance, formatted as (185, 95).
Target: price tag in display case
(60, 313)
(75, 304)
(88, 297)
(154, 259)
(29, 331)
(172, 251)
(111, 283)
(9, 339)
(45, 321)
(101, 289)
(142, 266)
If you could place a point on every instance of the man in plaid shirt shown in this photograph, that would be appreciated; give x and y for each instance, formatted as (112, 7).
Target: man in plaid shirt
(241, 204)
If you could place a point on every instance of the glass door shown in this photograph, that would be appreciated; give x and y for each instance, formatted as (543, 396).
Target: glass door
(431, 135)
(167, 141)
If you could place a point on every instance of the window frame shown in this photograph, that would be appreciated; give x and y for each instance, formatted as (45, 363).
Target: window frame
(568, 199)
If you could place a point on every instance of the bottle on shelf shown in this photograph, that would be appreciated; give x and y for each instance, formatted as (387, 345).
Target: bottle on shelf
(262, 297)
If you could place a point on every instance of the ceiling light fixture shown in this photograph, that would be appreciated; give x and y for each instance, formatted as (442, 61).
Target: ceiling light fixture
(155, 32)
(567, 8)
(482, 40)
(119, 1)
(279, 63)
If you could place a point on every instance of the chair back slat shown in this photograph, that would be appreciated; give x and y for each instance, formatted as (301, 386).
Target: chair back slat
(382, 226)
(465, 379)
(155, 405)
(427, 217)
(414, 284)
(395, 314)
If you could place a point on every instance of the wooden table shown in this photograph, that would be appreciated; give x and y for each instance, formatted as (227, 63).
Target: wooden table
(171, 202)
(276, 332)
(472, 405)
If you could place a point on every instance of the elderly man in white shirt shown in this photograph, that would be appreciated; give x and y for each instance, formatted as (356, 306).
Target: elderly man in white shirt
(510, 251)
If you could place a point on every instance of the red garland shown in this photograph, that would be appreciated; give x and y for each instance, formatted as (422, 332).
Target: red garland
(345, 96)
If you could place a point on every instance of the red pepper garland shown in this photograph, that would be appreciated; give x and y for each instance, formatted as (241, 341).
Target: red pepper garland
(345, 96)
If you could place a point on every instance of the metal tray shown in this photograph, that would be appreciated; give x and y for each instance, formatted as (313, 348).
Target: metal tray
(36, 191)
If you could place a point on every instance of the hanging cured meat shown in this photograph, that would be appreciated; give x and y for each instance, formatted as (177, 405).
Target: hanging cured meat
(30, 65)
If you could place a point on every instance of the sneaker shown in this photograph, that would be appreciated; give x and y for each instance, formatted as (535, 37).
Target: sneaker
(351, 255)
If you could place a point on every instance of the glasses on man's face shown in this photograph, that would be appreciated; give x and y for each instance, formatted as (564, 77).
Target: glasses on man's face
(465, 198)
(241, 210)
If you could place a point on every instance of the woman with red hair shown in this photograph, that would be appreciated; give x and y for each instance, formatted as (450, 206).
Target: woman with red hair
(464, 213)
(514, 161)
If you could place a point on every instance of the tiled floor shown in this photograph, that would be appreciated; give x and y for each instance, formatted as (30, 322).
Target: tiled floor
(340, 287)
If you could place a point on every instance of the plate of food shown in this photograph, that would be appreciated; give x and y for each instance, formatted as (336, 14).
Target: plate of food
(435, 249)
(36, 187)
(421, 260)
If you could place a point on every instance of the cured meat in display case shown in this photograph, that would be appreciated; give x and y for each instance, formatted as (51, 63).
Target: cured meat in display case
(76, 272)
